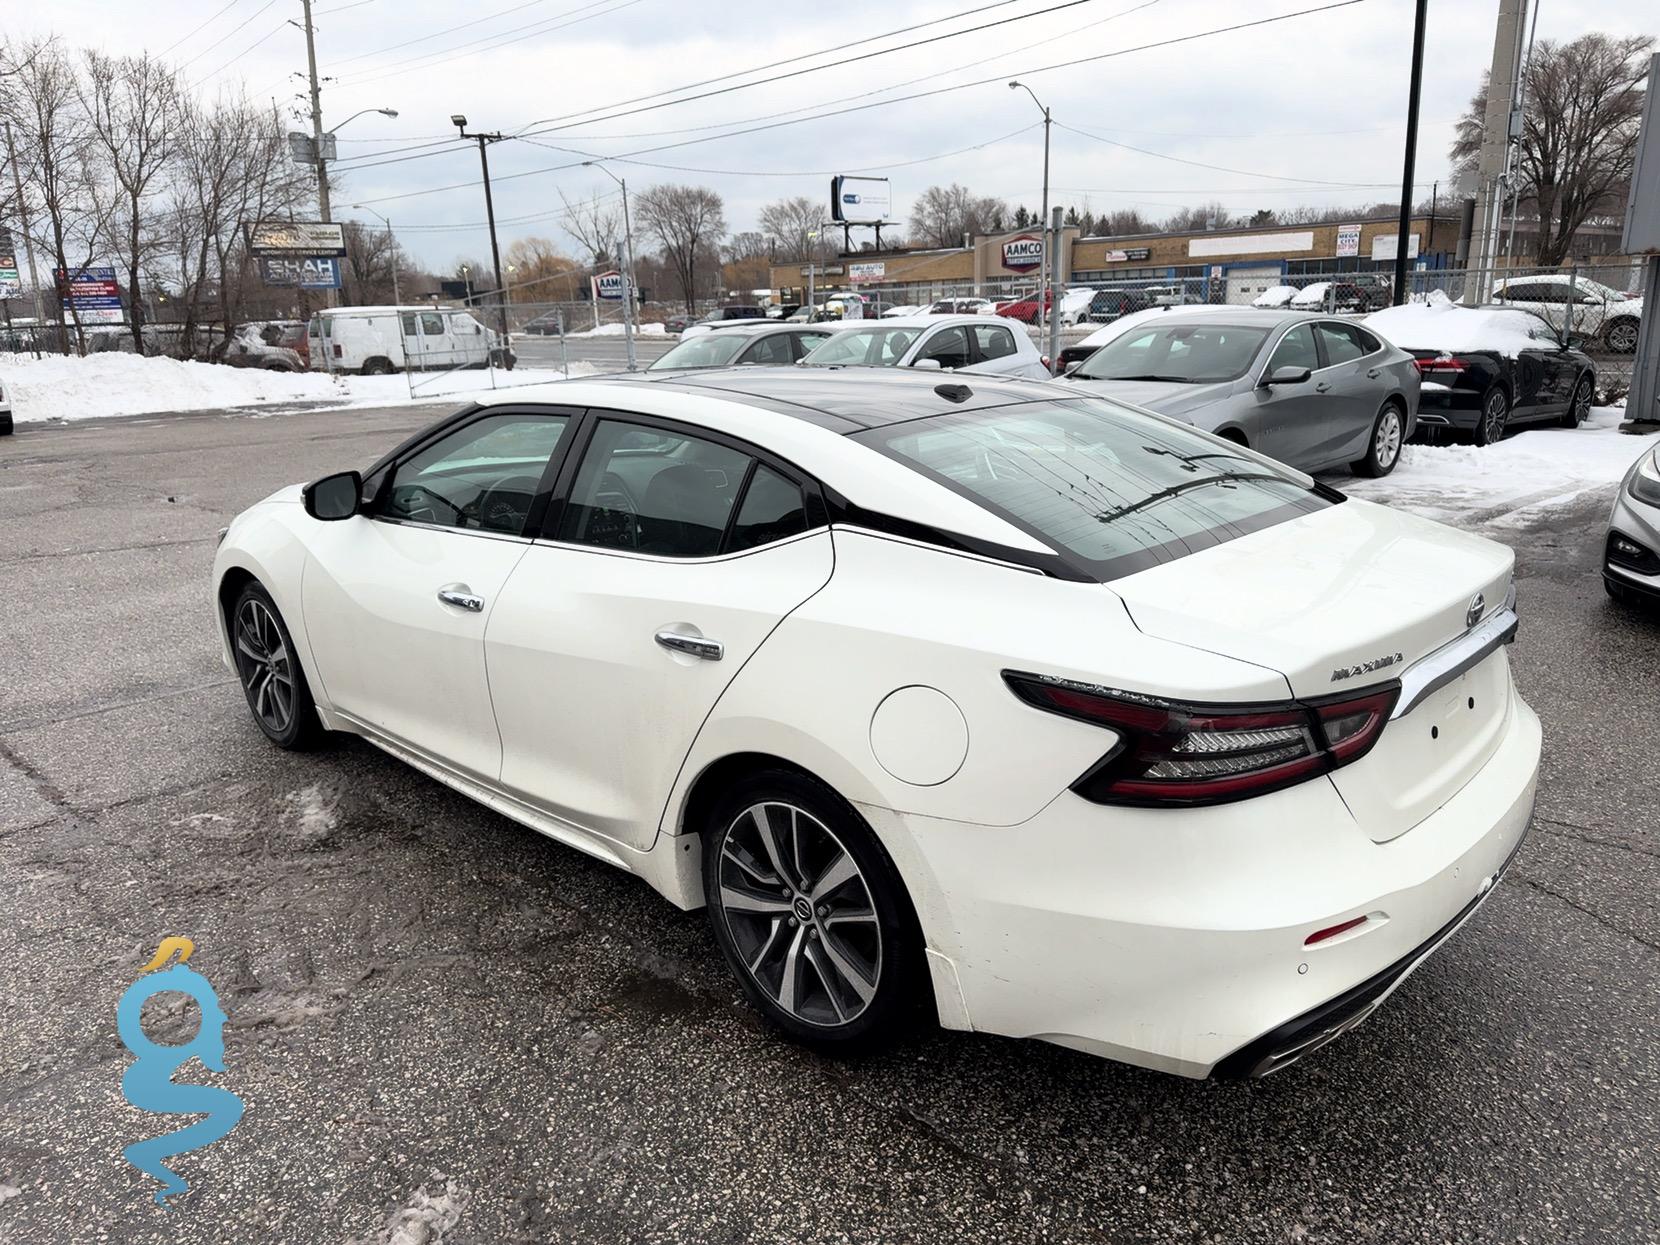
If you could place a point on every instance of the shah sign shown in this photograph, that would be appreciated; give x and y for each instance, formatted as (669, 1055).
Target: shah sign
(857, 273)
(860, 200)
(295, 237)
(300, 272)
(608, 286)
(91, 295)
(1023, 254)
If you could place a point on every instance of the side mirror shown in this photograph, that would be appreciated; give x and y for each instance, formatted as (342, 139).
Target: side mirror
(333, 497)
(1287, 376)
(927, 365)
(1073, 367)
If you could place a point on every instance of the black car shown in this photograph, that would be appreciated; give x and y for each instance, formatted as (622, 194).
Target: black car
(1109, 305)
(1492, 388)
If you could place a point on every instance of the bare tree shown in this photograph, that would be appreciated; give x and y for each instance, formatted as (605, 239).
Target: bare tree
(791, 225)
(132, 102)
(538, 271)
(596, 224)
(1583, 107)
(373, 257)
(688, 222)
(941, 215)
(1212, 215)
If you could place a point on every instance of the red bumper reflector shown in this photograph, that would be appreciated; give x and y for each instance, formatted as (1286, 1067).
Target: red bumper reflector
(1332, 931)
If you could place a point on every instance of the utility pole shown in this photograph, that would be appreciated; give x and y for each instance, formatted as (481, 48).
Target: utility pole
(484, 141)
(28, 247)
(1495, 139)
(1411, 153)
(1043, 212)
(393, 239)
(1055, 286)
(333, 297)
(628, 267)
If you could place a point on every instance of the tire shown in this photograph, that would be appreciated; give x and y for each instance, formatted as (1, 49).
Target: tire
(1383, 449)
(1579, 406)
(1494, 418)
(1621, 336)
(857, 980)
(377, 367)
(264, 651)
(504, 359)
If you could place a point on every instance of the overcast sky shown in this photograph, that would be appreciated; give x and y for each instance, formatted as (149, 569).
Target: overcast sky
(1290, 109)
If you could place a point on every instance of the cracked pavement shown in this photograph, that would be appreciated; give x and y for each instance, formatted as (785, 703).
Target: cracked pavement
(445, 1028)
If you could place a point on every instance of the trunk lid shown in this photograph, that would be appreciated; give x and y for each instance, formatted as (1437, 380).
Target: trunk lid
(1339, 601)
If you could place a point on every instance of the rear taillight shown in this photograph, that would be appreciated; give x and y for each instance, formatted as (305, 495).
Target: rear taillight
(1449, 365)
(1170, 752)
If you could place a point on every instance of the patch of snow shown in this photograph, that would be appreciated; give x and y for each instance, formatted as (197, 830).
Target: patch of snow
(1311, 295)
(1522, 477)
(1438, 323)
(425, 1219)
(56, 387)
(1275, 296)
(616, 330)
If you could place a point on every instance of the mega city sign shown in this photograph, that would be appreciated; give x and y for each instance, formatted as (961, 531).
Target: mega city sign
(1023, 254)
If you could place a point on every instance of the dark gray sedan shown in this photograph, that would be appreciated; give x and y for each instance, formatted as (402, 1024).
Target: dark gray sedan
(742, 341)
(1313, 391)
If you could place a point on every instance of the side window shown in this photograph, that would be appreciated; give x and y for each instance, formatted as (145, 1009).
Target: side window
(652, 491)
(432, 324)
(772, 349)
(949, 346)
(804, 342)
(772, 510)
(993, 342)
(1296, 349)
(1341, 343)
(1368, 343)
(409, 324)
(481, 477)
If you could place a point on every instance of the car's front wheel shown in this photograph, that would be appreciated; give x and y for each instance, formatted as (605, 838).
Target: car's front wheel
(1579, 409)
(1495, 417)
(1621, 337)
(270, 673)
(1384, 449)
(810, 913)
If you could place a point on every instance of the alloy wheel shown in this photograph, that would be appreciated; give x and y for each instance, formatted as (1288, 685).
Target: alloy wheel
(1622, 337)
(800, 914)
(1582, 401)
(1386, 445)
(1494, 416)
(265, 666)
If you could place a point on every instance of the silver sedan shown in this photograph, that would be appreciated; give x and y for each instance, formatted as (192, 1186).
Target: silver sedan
(1313, 391)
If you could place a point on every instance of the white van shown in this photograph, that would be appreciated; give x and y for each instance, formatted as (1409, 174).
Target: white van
(378, 340)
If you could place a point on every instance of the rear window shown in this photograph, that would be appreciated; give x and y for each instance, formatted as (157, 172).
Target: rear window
(701, 350)
(1115, 490)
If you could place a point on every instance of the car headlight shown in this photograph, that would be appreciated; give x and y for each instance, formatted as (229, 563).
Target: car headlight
(1645, 481)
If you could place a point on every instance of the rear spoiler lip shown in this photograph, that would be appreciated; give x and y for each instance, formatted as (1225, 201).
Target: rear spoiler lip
(1434, 671)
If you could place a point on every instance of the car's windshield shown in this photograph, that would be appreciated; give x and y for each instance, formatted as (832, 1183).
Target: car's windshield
(877, 347)
(702, 350)
(1115, 489)
(1187, 353)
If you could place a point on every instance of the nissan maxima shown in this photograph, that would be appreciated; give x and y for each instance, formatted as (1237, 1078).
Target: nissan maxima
(948, 696)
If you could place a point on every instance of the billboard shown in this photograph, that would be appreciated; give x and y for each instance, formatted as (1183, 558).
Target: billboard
(11, 281)
(1383, 246)
(866, 272)
(300, 272)
(608, 286)
(1348, 241)
(91, 295)
(295, 237)
(1023, 254)
(860, 200)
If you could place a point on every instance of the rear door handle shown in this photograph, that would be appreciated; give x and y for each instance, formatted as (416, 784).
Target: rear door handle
(691, 645)
(1372, 374)
(462, 597)
(1322, 387)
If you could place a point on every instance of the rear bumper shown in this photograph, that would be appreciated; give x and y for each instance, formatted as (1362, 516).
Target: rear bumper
(1442, 407)
(1176, 940)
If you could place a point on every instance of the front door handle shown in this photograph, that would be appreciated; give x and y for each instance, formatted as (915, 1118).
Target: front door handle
(462, 597)
(691, 645)
(1322, 387)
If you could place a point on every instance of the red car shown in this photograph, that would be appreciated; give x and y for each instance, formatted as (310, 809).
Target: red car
(1024, 309)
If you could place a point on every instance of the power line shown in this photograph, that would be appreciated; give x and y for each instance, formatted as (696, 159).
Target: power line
(239, 26)
(1200, 164)
(448, 30)
(274, 30)
(196, 30)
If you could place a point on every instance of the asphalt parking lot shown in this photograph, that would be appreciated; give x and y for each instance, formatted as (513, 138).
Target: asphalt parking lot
(447, 1027)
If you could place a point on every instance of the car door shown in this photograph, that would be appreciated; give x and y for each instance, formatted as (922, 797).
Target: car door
(995, 350)
(947, 346)
(1349, 382)
(413, 348)
(668, 557)
(768, 350)
(435, 340)
(1279, 422)
(396, 600)
(469, 343)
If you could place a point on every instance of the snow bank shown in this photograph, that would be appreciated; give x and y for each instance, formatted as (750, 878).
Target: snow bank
(1510, 483)
(616, 330)
(114, 383)
(1440, 324)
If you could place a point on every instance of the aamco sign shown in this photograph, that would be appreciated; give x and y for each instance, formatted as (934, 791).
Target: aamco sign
(608, 285)
(1023, 254)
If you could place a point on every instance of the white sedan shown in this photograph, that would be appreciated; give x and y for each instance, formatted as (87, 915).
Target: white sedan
(949, 343)
(946, 696)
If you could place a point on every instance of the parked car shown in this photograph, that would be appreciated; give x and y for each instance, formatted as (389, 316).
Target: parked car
(962, 307)
(1340, 296)
(1599, 313)
(1487, 369)
(1168, 295)
(1631, 553)
(1109, 305)
(1275, 296)
(261, 345)
(1310, 391)
(1025, 307)
(1083, 725)
(740, 342)
(950, 343)
(1076, 353)
(720, 315)
(380, 340)
(903, 309)
(5, 410)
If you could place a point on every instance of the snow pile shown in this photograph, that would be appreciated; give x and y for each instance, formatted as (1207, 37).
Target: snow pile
(58, 387)
(1440, 324)
(1275, 296)
(1533, 470)
(617, 330)
(1310, 295)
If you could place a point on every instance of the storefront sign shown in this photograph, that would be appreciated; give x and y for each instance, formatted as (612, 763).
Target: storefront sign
(858, 273)
(295, 237)
(1023, 254)
(91, 295)
(301, 272)
(11, 282)
(608, 286)
(1136, 253)
(1348, 241)
(1383, 246)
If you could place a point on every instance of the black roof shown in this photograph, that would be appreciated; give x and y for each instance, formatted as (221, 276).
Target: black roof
(851, 399)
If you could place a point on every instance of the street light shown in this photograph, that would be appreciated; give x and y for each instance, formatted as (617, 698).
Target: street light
(358, 207)
(628, 264)
(1043, 216)
(319, 135)
(459, 120)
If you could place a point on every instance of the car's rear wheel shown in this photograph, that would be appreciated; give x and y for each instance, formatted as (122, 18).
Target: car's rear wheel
(271, 677)
(1384, 449)
(1621, 337)
(810, 913)
(1579, 408)
(1495, 417)
(377, 367)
